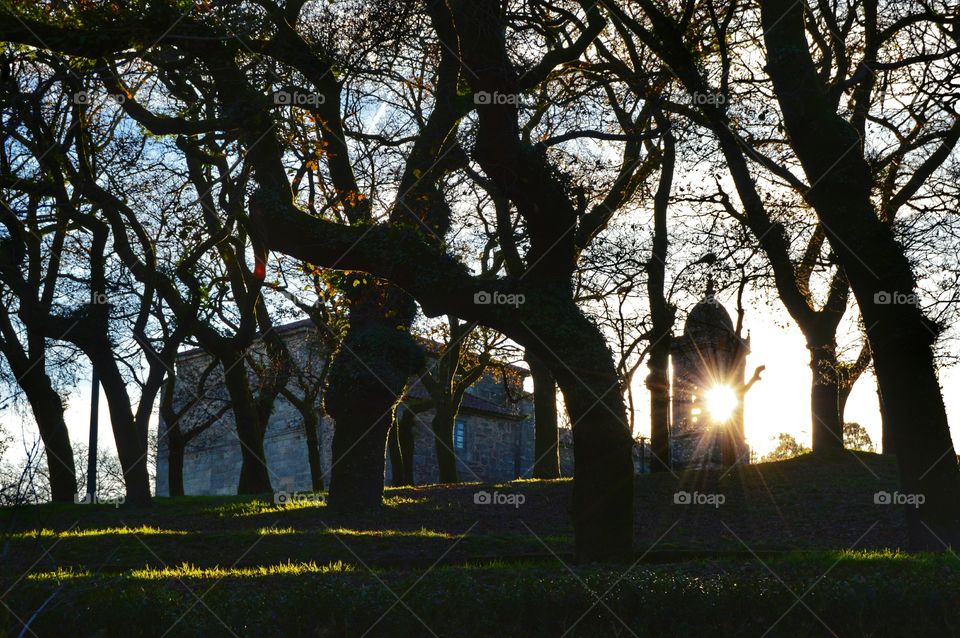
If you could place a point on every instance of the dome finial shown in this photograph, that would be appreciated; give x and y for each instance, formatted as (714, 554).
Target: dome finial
(710, 293)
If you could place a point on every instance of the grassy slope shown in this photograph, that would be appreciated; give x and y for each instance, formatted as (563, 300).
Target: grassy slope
(280, 570)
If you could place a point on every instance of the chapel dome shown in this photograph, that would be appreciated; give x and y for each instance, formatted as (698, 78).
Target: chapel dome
(708, 318)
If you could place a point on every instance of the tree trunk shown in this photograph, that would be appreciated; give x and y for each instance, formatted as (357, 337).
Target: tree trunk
(175, 453)
(405, 444)
(311, 428)
(47, 407)
(920, 435)
(367, 376)
(131, 444)
(658, 383)
(886, 436)
(444, 421)
(393, 449)
(254, 474)
(603, 448)
(826, 417)
(546, 447)
(45, 403)
(662, 313)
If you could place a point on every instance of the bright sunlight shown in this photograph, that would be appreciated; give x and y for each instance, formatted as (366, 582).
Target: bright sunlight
(721, 402)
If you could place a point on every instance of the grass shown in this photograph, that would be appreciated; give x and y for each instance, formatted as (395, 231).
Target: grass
(140, 530)
(802, 528)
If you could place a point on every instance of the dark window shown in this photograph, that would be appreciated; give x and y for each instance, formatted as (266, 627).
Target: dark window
(459, 435)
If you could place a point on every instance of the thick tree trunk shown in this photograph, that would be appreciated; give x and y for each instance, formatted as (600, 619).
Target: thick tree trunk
(880, 277)
(254, 474)
(367, 376)
(546, 447)
(603, 447)
(826, 417)
(444, 421)
(920, 435)
(47, 407)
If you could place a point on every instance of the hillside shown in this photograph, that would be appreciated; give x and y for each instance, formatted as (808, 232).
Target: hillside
(799, 515)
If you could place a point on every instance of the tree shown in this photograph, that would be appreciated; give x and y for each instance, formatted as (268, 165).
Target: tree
(792, 273)
(787, 448)
(833, 153)
(855, 186)
(316, 194)
(855, 437)
(183, 424)
(27, 361)
(546, 442)
(447, 379)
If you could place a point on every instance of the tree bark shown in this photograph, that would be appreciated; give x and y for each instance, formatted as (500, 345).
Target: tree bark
(662, 313)
(367, 376)
(254, 474)
(886, 435)
(176, 449)
(603, 448)
(311, 428)
(402, 445)
(406, 441)
(131, 443)
(393, 449)
(444, 421)
(546, 447)
(47, 407)
(827, 419)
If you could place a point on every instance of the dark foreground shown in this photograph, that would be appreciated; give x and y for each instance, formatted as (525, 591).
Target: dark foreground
(798, 548)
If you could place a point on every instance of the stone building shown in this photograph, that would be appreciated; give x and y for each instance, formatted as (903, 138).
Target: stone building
(708, 388)
(493, 437)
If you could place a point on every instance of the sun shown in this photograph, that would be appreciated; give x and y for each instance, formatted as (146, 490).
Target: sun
(721, 402)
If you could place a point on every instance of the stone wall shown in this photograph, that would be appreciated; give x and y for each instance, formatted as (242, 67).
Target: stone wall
(498, 448)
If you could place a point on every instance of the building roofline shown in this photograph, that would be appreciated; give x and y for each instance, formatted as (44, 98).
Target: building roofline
(307, 324)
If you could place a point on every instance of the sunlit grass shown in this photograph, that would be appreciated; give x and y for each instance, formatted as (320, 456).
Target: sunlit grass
(258, 506)
(392, 533)
(276, 531)
(397, 501)
(141, 530)
(187, 570)
(61, 573)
